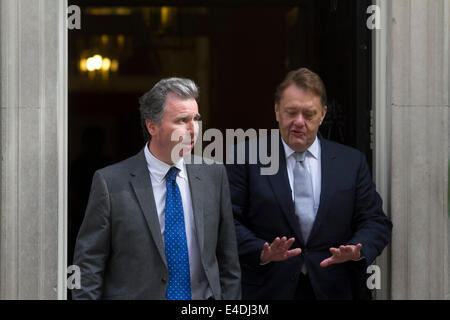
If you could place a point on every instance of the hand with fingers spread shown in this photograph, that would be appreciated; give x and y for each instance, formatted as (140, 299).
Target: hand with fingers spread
(278, 250)
(343, 254)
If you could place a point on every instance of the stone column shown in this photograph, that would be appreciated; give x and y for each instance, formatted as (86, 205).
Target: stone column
(382, 131)
(419, 161)
(33, 120)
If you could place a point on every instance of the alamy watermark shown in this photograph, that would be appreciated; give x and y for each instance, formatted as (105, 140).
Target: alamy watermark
(251, 147)
(74, 279)
(74, 17)
(374, 280)
(374, 21)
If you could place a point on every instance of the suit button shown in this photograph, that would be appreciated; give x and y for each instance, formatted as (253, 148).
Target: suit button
(164, 280)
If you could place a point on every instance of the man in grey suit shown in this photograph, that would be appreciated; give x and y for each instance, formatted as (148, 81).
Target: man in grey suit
(157, 227)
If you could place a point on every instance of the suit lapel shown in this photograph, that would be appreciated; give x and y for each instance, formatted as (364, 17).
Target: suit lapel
(327, 185)
(283, 193)
(195, 185)
(142, 187)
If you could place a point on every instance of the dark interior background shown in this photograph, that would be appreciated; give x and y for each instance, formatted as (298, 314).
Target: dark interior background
(237, 51)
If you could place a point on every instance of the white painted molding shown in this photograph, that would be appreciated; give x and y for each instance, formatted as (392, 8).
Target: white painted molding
(381, 108)
(62, 120)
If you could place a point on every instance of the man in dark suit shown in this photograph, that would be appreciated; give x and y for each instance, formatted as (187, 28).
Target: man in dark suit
(310, 230)
(157, 227)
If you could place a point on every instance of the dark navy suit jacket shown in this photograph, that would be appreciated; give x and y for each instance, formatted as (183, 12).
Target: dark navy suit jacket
(350, 212)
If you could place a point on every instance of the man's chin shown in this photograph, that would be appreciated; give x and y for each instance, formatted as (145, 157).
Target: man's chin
(183, 153)
(298, 145)
(186, 151)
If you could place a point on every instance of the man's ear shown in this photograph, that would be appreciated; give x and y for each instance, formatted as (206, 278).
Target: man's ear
(324, 112)
(277, 112)
(151, 127)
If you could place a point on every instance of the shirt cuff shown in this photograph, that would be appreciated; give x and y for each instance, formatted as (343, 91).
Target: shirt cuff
(360, 258)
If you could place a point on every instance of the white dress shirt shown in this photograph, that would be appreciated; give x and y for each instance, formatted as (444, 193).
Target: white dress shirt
(313, 164)
(157, 169)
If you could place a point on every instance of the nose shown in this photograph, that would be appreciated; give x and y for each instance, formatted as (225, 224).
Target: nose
(299, 121)
(191, 127)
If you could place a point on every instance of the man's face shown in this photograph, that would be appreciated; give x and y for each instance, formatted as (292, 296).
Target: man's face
(299, 115)
(179, 126)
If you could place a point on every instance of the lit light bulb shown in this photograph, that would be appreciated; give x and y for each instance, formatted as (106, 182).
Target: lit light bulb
(165, 11)
(90, 64)
(104, 39)
(114, 65)
(97, 61)
(106, 64)
(121, 40)
(83, 66)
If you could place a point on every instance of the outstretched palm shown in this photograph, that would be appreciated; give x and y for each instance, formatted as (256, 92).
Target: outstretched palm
(278, 250)
(343, 254)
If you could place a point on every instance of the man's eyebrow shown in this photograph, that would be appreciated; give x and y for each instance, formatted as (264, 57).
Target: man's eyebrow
(186, 115)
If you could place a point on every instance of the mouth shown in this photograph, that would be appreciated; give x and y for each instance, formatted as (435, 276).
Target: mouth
(189, 144)
(186, 140)
(298, 133)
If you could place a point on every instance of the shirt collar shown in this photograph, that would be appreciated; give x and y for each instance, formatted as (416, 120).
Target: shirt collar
(158, 169)
(312, 150)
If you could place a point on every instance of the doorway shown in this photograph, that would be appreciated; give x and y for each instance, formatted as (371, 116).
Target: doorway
(236, 51)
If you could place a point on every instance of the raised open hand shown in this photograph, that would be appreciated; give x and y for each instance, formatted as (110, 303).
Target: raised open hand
(278, 250)
(343, 254)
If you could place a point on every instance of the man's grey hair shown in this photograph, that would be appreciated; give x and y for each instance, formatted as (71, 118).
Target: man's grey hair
(152, 103)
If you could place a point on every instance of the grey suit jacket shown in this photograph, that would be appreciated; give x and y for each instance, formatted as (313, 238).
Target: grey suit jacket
(119, 248)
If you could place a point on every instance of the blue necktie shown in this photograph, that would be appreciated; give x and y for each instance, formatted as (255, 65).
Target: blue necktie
(179, 287)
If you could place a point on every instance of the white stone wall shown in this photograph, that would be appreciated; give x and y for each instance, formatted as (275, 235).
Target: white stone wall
(420, 100)
(448, 199)
(33, 141)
